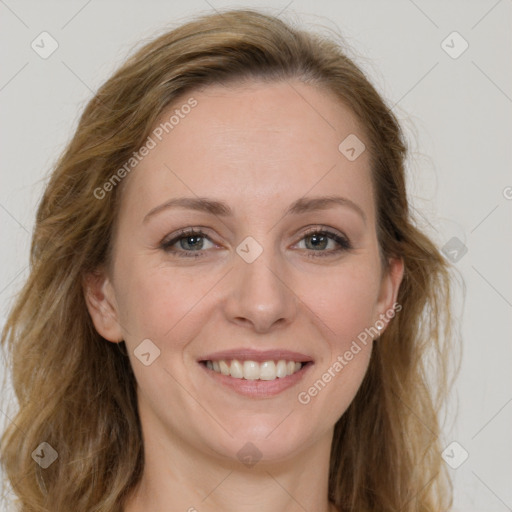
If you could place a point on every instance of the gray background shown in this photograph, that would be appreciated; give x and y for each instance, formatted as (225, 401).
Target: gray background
(457, 116)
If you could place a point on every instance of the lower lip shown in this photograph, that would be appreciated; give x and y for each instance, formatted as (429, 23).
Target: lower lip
(258, 388)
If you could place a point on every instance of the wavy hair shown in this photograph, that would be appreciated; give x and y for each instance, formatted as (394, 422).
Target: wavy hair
(77, 392)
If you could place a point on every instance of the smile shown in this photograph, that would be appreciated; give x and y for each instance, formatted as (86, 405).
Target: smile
(252, 370)
(256, 373)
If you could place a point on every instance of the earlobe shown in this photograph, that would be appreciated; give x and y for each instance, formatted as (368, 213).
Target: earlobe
(390, 286)
(102, 306)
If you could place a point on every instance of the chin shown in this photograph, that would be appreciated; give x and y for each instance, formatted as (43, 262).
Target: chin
(260, 443)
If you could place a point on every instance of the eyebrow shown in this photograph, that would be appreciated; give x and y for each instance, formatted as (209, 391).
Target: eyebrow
(220, 208)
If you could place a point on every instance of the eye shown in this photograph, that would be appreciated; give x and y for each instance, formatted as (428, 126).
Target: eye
(319, 239)
(189, 240)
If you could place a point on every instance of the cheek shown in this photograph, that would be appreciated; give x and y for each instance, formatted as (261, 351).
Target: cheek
(161, 303)
(344, 312)
(343, 300)
(348, 309)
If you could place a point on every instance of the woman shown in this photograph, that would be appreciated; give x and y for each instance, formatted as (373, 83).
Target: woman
(229, 305)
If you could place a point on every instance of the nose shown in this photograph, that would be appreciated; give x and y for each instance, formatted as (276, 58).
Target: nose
(259, 296)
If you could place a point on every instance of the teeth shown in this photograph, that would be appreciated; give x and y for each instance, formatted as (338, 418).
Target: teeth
(224, 368)
(251, 370)
(267, 370)
(236, 370)
(282, 369)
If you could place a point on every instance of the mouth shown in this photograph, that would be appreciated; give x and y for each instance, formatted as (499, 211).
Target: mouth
(256, 374)
(253, 370)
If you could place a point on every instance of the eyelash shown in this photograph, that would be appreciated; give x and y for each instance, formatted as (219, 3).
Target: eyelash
(344, 243)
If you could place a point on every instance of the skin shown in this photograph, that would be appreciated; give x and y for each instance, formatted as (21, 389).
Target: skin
(258, 147)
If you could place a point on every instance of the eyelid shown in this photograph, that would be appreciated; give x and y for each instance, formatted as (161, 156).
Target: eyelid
(170, 240)
(319, 228)
(333, 234)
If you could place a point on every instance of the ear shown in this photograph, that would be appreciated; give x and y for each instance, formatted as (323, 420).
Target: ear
(388, 293)
(100, 299)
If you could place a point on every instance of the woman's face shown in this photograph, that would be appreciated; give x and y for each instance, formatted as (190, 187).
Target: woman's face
(277, 273)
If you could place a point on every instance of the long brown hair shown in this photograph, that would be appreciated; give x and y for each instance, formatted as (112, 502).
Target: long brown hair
(76, 391)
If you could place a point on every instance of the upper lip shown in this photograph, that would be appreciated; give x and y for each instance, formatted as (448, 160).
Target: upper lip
(247, 354)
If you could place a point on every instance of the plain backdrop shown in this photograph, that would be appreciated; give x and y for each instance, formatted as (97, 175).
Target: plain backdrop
(452, 94)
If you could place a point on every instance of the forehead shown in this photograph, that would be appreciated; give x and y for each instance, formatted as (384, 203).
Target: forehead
(251, 144)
